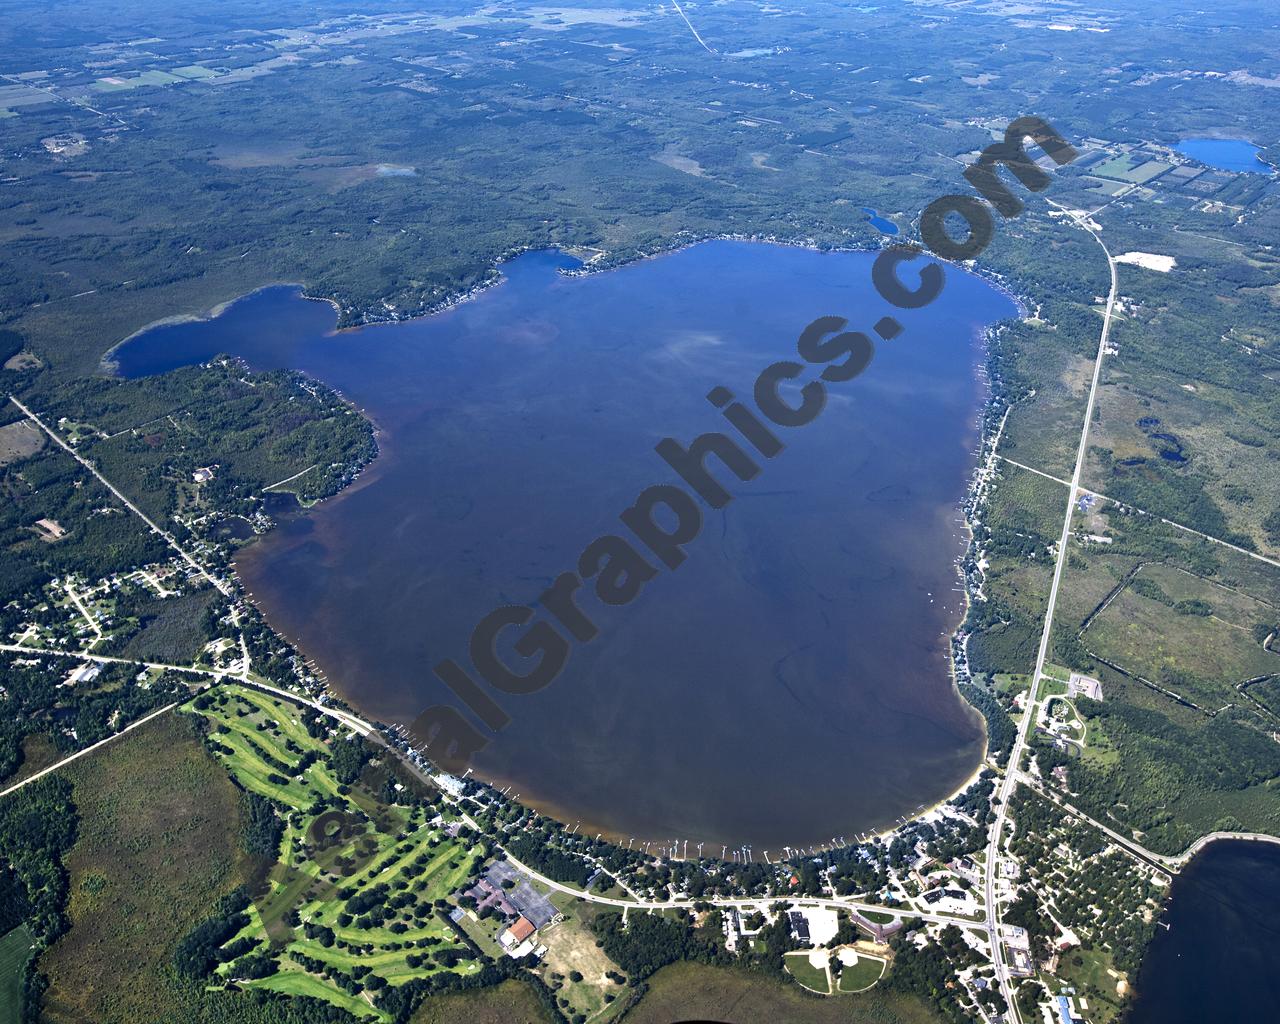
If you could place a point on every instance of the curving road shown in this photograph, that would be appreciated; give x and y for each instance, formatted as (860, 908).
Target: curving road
(1010, 780)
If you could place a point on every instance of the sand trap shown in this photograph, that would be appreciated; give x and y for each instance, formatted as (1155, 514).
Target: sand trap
(1149, 260)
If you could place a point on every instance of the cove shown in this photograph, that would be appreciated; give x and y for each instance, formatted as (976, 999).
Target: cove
(789, 683)
(1216, 955)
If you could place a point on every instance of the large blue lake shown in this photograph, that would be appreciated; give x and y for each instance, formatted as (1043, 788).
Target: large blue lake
(788, 684)
(1225, 154)
(1218, 956)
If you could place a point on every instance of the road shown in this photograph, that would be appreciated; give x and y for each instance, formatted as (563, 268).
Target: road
(223, 587)
(1142, 511)
(344, 717)
(107, 659)
(1005, 790)
(739, 902)
(87, 750)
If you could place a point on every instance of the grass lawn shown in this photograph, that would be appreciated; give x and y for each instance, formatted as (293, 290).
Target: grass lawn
(877, 917)
(861, 975)
(298, 983)
(15, 950)
(369, 873)
(1091, 979)
(806, 974)
(1011, 682)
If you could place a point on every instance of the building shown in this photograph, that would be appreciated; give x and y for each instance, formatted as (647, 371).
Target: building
(799, 927)
(1084, 686)
(517, 934)
(85, 673)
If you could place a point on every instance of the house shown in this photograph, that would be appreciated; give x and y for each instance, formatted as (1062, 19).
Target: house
(85, 673)
(517, 934)
(50, 529)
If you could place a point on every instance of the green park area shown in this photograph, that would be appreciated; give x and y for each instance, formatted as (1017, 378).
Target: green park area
(815, 979)
(861, 974)
(356, 902)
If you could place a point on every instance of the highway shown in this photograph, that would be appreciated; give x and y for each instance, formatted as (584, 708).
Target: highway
(1005, 790)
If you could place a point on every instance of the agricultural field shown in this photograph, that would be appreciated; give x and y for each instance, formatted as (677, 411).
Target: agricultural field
(364, 870)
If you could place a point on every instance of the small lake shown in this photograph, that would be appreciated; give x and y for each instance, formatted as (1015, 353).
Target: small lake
(1219, 959)
(1225, 154)
(882, 224)
(789, 683)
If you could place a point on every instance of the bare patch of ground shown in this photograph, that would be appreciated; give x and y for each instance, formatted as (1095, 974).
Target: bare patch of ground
(19, 441)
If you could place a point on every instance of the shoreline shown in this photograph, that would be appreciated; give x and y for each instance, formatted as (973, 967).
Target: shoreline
(988, 339)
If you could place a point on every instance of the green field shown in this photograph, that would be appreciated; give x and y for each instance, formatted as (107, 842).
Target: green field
(1187, 634)
(1135, 170)
(156, 848)
(861, 975)
(138, 81)
(15, 951)
(352, 902)
(806, 974)
(512, 1002)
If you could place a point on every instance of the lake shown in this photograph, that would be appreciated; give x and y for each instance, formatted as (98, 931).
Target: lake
(1225, 154)
(789, 683)
(1219, 959)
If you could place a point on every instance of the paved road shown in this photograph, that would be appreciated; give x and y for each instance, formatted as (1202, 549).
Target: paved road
(1008, 783)
(1143, 511)
(344, 717)
(107, 659)
(742, 902)
(222, 586)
